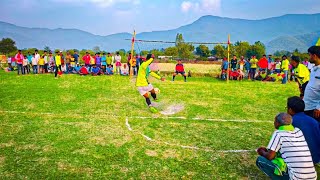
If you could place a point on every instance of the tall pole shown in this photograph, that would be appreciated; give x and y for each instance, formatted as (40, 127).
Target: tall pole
(228, 58)
(132, 48)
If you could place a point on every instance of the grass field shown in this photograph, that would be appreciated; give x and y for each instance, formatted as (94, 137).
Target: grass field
(93, 128)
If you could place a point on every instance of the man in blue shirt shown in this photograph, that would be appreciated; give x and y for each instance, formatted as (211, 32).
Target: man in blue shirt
(224, 69)
(309, 126)
(76, 57)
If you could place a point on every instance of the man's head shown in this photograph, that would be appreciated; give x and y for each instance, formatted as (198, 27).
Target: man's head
(284, 57)
(282, 119)
(149, 56)
(179, 61)
(104, 53)
(264, 56)
(87, 53)
(270, 56)
(19, 51)
(118, 53)
(314, 52)
(253, 56)
(50, 53)
(76, 52)
(295, 60)
(242, 57)
(45, 52)
(29, 52)
(36, 51)
(295, 105)
(234, 57)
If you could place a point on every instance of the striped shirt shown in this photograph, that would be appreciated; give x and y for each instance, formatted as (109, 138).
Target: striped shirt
(295, 153)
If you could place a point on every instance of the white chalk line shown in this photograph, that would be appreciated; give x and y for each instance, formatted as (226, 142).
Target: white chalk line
(144, 117)
(188, 147)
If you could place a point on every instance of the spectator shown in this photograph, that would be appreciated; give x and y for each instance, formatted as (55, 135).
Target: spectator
(76, 57)
(241, 63)
(52, 65)
(34, 64)
(46, 61)
(98, 60)
(118, 62)
(109, 70)
(312, 91)
(263, 63)
(247, 68)
(77, 69)
(285, 68)
(305, 62)
(41, 65)
(138, 62)
(125, 70)
(29, 57)
(309, 126)
(179, 70)
(224, 69)
(9, 63)
(129, 62)
(253, 67)
(19, 58)
(134, 65)
(37, 56)
(270, 64)
(86, 59)
(96, 71)
(109, 59)
(277, 66)
(92, 62)
(282, 159)
(68, 62)
(83, 71)
(25, 66)
(234, 63)
(104, 62)
(301, 72)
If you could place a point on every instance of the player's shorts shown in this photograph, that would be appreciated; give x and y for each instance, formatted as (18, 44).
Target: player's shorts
(145, 89)
(182, 73)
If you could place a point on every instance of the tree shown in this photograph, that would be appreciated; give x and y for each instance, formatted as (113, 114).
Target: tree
(241, 48)
(203, 51)
(258, 49)
(171, 51)
(47, 48)
(184, 49)
(7, 46)
(96, 49)
(220, 51)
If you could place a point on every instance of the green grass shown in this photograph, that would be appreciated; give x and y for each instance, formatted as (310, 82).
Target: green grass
(74, 128)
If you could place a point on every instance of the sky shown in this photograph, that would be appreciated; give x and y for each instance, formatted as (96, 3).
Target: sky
(104, 17)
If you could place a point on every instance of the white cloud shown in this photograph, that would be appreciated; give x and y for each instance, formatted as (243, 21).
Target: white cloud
(186, 5)
(207, 6)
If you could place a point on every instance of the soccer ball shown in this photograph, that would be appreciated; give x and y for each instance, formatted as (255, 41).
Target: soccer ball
(157, 90)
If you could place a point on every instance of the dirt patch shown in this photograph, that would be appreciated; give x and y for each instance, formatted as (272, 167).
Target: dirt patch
(62, 166)
(151, 153)
(8, 144)
(170, 153)
(2, 160)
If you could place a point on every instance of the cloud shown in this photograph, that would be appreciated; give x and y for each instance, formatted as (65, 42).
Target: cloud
(207, 6)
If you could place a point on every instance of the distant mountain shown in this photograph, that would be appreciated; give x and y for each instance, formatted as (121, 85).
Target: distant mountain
(278, 32)
(290, 43)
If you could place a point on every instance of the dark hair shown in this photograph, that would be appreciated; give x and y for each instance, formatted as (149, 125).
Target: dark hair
(314, 50)
(296, 104)
(36, 50)
(284, 56)
(149, 56)
(264, 55)
(295, 59)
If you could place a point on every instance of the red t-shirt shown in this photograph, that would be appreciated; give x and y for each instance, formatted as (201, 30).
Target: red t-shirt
(263, 63)
(84, 70)
(86, 59)
(179, 68)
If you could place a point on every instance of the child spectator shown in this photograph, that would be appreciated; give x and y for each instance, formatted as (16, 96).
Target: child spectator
(277, 65)
(224, 69)
(83, 71)
(253, 67)
(77, 69)
(104, 62)
(97, 59)
(109, 70)
(179, 70)
(25, 66)
(247, 68)
(95, 70)
(125, 70)
(86, 59)
(41, 65)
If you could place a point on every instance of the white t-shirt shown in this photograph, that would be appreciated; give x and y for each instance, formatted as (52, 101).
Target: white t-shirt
(295, 153)
(37, 56)
(124, 71)
(34, 61)
(9, 60)
(312, 92)
(117, 58)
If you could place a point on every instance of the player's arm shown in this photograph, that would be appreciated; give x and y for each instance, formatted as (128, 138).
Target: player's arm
(269, 154)
(155, 75)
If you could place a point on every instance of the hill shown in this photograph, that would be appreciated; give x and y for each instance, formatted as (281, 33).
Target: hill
(276, 31)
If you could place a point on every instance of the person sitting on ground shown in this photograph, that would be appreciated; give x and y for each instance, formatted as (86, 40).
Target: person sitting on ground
(233, 75)
(301, 72)
(125, 70)
(282, 159)
(189, 73)
(261, 76)
(309, 126)
(96, 71)
(109, 70)
(76, 69)
(241, 74)
(83, 71)
(179, 70)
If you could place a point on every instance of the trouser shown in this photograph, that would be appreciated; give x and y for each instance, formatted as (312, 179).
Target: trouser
(35, 69)
(134, 68)
(20, 68)
(46, 68)
(118, 69)
(285, 78)
(104, 68)
(25, 69)
(58, 67)
(267, 167)
(311, 114)
(303, 88)
(252, 73)
(129, 67)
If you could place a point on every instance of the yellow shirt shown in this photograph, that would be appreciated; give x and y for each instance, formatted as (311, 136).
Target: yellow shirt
(285, 65)
(143, 74)
(302, 73)
(58, 60)
(253, 63)
(41, 61)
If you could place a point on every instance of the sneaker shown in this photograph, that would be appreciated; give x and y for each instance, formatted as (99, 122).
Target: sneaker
(153, 109)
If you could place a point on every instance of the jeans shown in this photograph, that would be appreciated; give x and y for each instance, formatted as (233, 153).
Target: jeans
(20, 68)
(252, 73)
(35, 69)
(268, 168)
(285, 79)
(134, 70)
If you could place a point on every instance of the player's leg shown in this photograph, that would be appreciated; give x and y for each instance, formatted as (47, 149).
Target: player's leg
(184, 76)
(174, 76)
